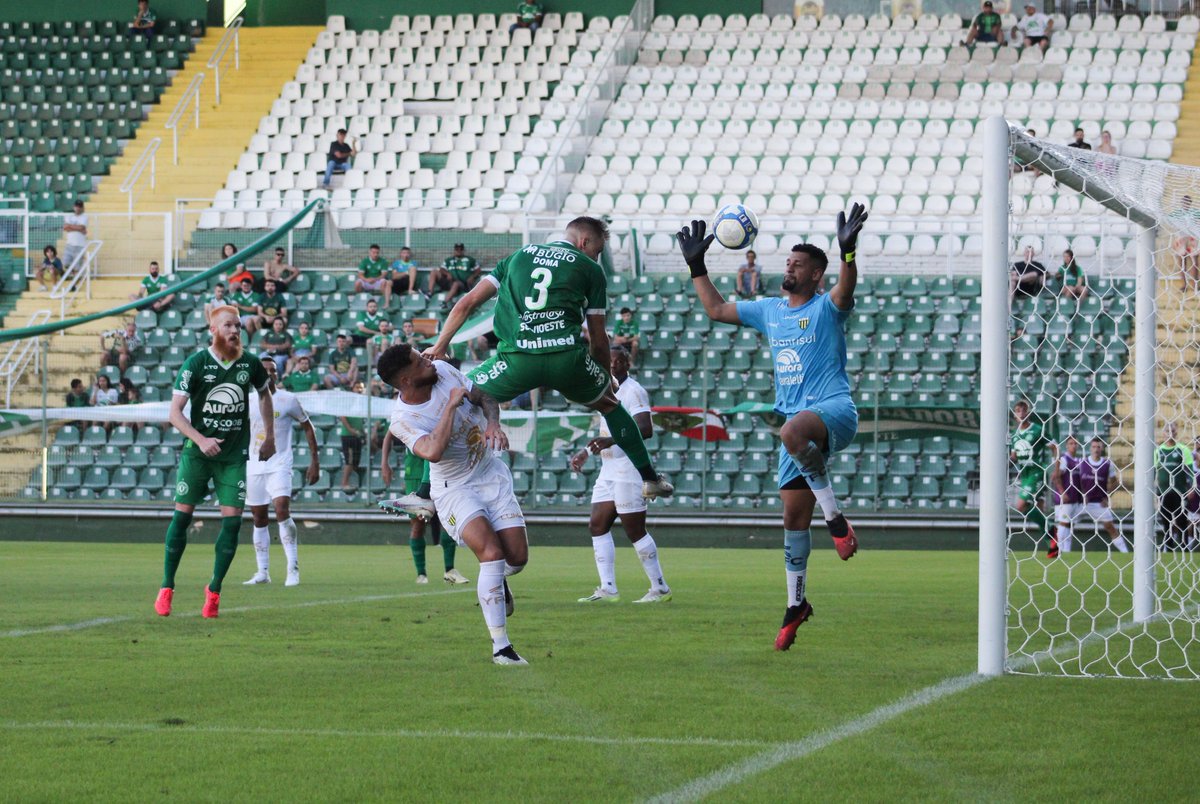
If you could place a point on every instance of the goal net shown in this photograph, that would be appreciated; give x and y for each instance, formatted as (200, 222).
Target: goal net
(1090, 486)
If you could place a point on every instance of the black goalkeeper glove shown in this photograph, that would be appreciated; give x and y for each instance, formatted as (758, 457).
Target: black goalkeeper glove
(848, 229)
(693, 244)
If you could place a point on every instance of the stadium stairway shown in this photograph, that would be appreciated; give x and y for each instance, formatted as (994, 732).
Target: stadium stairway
(1187, 142)
(269, 58)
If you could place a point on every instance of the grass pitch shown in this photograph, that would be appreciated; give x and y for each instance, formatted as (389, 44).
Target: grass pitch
(360, 685)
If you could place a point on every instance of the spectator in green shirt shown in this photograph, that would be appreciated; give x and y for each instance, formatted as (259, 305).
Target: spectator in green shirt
(51, 266)
(246, 301)
(383, 340)
(343, 365)
(986, 27)
(152, 283)
(277, 344)
(143, 21)
(304, 344)
(458, 273)
(404, 273)
(271, 306)
(408, 334)
(1174, 474)
(627, 333)
(77, 397)
(302, 377)
(529, 15)
(368, 323)
(1074, 280)
(374, 276)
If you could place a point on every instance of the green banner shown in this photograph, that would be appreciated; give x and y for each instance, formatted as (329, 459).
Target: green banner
(258, 245)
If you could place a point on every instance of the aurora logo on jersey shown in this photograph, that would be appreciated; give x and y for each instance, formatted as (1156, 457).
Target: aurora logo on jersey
(224, 399)
(789, 368)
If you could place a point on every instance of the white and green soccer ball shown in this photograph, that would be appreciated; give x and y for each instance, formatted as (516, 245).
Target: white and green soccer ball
(735, 227)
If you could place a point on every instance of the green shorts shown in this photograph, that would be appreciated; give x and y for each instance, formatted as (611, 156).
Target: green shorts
(573, 373)
(1031, 485)
(191, 481)
(416, 471)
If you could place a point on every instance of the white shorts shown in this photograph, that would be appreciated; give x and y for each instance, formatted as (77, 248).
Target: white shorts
(1064, 514)
(1099, 512)
(490, 496)
(627, 494)
(262, 489)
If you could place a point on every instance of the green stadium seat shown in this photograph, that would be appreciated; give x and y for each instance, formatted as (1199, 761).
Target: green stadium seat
(68, 435)
(68, 478)
(96, 479)
(121, 436)
(94, 436)
(109, 456)
(124, 479)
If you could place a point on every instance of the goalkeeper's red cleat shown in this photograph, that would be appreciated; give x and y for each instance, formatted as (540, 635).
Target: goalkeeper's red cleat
(212, 600)
(792, 620)
(1053, 551)
(847, 542)
(162, 606)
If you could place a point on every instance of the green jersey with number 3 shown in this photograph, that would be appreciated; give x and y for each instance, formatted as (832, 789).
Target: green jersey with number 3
(544, 293)
(220, 396)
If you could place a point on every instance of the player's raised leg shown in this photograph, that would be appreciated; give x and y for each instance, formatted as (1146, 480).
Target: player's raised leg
(806, 439)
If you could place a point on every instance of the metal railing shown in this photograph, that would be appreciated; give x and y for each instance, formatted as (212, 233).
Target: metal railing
(78, 273)
(19, 355)
(148, 157)
(214, 63)
(190, 95)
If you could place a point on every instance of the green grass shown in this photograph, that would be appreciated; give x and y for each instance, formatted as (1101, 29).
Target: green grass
(396, 699)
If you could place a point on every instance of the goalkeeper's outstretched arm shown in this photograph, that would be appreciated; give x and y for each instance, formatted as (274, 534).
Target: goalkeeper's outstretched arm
(848, 228)
(693, 244)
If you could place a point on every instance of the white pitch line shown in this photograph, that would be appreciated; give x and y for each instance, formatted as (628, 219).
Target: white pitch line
(80, 626)
(402, 734)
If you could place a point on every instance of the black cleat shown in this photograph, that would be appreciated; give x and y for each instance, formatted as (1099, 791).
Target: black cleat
(509, 656)
(509, 608)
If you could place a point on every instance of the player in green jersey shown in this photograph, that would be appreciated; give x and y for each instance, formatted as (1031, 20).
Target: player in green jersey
(545, 292)
(1174, 473)
(217, 381)
(1033, 452)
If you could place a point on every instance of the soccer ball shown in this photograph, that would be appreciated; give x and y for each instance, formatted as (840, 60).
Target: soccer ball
(735, 227)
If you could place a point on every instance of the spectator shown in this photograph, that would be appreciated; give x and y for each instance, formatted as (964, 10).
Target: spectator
(749, 276)
(127, 392)
(1074, 280)
(1079, 142)
(218, 299)
(77, 397)
(404, 273)
(409, 335)
(51, 265)
(240, 271)
(279, 270)
(278, 344)
(374, 276)
(383, 340)
(1028, 276)
(529, 15)
(303, 345)
(246, 301)
(339, 157)
(627, 333)
(343, 365)
(143, 21)
(302, 377)
(368, 323)
(75, 226)
(987, 28)
(351, 430)
(1106, 144)
(457, 274)
(103, 395)
(152, 283)
(1174, 468)
(272, 306)
(1184, 220)
(118, 346)
(1034, 28)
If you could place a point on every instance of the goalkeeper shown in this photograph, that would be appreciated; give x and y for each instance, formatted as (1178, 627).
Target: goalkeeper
(546, 292)
(1034, 453)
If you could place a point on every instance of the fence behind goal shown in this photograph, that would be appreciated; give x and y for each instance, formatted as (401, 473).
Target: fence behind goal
(1088, 398)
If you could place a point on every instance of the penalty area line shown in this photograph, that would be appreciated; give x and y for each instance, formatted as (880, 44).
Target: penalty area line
(401, 734)
(100, 621)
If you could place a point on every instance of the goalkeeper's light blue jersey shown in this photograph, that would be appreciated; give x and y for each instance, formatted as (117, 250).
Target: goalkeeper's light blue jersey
(808, 344)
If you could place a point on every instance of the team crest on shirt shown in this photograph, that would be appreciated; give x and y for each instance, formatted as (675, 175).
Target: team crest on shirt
(181, 488)
(803, 322)
(451, 521)
(243, 377)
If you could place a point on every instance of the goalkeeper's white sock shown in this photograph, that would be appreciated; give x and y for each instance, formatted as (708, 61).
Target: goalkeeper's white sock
(606, 555)
(291, 546)
(490, 590)
(647, 551)
(262, 548)
(1064, 539)
(1120, 543)
(811, 464)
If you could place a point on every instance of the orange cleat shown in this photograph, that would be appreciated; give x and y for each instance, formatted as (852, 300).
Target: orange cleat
(211, 601)
(847, 545)
(162, 606)
(792, 620)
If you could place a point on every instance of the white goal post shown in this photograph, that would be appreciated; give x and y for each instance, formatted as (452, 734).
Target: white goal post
(1109, 615)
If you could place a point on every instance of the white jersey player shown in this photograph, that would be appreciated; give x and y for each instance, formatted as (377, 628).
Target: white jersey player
(442, 417)
(270, 481)
(618, 492)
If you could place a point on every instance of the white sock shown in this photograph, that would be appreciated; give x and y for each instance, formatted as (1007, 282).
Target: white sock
(827, 501)
(648, 553)
(1120, 543)
(291, 546)
(510, 570)
(490, 589)
(606, 556)
(1064, 539)
(262, 548)
(795, 584)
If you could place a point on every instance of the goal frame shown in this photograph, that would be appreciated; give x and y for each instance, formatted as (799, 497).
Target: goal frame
(1000, 142)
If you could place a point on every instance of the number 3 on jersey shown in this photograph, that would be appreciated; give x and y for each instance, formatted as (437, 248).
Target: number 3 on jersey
(541, 288)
